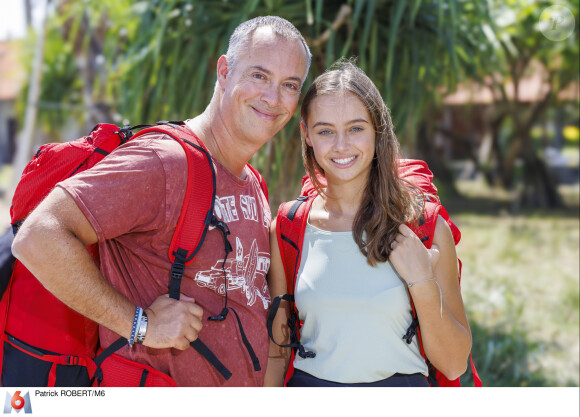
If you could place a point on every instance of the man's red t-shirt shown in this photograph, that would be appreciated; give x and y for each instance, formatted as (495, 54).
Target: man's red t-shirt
(133, 199)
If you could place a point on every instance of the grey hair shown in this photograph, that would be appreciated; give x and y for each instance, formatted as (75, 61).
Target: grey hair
(243, 33)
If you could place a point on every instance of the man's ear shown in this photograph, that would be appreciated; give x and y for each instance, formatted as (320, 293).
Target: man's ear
(222, 70)
(304, 131)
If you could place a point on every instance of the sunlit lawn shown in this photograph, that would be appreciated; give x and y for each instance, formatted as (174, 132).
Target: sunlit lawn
(520, 287)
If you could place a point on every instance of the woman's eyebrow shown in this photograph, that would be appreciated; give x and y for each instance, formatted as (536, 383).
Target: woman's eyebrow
(360, 120)
(322, 123)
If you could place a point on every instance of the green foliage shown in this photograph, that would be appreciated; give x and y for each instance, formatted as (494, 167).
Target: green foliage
(517, 40)
(409, 48)
(521, 48)
(503, 359)
(56, 109)
(160, 57)
(158, 62)
(153, 60)
(73, 32)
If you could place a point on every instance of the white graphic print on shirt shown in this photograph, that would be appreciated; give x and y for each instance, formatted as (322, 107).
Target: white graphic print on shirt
(249, 209)
(266, 217)
(245, 273)
(225, 209)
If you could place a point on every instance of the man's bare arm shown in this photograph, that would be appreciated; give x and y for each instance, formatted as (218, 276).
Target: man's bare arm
(51, 244)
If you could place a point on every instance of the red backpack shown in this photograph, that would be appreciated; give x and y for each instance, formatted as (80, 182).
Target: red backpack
(57, 346)
(290, 225)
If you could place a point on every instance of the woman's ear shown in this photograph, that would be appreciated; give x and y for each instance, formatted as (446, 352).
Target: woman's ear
(304, 131)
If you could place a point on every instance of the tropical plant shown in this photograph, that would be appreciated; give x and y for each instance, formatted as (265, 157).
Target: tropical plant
(153, 60)
(532, 40)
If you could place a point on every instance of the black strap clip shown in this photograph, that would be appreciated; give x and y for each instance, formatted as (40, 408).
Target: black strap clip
(223, 227)
(293, 322)
(411, 331)
(177, 270)
(303, 353)
(125, 133)
(221, 316)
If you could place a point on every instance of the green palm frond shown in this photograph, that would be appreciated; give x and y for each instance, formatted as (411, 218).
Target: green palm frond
(160, 56)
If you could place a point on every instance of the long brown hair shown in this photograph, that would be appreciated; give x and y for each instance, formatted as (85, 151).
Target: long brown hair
(387, 201)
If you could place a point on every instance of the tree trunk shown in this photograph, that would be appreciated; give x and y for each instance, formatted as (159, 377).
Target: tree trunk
(497, 162)
(468, 143)
(28, 12)
(430, 155)
(508, 166)
(539, 188)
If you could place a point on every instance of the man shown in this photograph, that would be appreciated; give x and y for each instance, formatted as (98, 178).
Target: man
(130, 204)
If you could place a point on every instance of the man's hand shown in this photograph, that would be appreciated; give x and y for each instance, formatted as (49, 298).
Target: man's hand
(173, 323)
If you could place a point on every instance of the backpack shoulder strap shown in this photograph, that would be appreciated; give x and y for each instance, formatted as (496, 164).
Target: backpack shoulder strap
(198, 204)
(195, 218)
(417, 173)
(261, 180)
(425, 226)
(425, 229)
(290, 225)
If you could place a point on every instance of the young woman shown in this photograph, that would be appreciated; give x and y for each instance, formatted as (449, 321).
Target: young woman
(359, 260)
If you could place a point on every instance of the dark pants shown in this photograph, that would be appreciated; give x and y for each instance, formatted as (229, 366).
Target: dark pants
(303, 379)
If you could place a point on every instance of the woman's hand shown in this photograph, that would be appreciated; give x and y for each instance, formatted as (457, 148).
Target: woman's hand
(412, 260)
(444, 328)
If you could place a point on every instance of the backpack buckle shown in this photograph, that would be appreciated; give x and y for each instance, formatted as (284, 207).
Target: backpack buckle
(125, 133)
(71, 360)
(304, 354)
(177, 270)
(221, 316)
(411, 331)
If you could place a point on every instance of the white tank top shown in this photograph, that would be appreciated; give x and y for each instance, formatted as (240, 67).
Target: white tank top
(354, 315)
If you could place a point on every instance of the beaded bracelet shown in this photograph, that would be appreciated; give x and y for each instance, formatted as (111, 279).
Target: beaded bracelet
(140, 337)
(136, 320)
(410, 284)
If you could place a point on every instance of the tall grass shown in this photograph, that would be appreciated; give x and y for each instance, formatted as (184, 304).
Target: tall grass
(521, 290)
